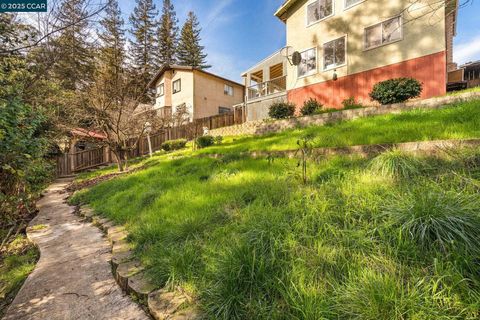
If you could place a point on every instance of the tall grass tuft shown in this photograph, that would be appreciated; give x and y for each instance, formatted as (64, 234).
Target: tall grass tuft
(433, 218)
(396, 164)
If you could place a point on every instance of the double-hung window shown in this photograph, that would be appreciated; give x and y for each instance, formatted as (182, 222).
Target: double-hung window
(319, 10)
(334, 53)
(177, 86)
(308, 64)
(161, 90)
(228, 90)
(384, 33)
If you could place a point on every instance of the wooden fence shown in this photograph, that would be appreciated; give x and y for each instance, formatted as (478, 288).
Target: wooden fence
(68, 164)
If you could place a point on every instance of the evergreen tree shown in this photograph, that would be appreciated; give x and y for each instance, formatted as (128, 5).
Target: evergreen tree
(143, 45)
(167, 35)
(190, 52)
(111, 55)
(74, 67)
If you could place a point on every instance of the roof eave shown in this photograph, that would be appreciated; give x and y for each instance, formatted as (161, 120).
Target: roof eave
(280, 13)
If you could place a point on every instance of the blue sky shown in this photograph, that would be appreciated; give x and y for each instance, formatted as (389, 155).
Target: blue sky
(239, 33)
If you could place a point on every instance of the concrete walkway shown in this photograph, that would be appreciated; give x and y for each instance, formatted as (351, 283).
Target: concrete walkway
(73, 278)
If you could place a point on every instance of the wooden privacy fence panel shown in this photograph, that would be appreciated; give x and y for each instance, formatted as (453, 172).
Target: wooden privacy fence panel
(88, 159)
(64, 166)
(67, 164)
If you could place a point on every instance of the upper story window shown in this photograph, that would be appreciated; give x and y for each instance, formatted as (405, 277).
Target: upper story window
(161, 90)
(351, 3)
(334, 53)
(319, 10)
(177, 86)
(384, 33)
(228, 90)
(308, 65)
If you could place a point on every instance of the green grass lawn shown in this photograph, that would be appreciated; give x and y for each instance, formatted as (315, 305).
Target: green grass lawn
(458, 121)
(16, 263)
(395, 237)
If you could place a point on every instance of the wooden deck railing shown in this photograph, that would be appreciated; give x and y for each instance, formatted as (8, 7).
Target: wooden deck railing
(267, 88)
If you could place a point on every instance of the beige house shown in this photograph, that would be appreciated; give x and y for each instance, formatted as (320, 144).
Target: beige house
(347, 46)
(202, 94)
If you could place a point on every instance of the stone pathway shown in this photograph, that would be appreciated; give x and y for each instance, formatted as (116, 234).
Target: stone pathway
(73, 278)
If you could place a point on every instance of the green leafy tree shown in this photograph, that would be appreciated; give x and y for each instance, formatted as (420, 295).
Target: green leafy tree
(190, 51)
(24, 130)
(167, 35)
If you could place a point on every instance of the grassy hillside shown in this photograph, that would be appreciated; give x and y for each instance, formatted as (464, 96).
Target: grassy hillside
(393, 237)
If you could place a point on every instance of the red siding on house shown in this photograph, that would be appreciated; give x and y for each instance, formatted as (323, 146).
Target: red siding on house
(430, 70)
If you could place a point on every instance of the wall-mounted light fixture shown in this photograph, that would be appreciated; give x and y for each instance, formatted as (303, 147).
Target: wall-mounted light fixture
(335, 76)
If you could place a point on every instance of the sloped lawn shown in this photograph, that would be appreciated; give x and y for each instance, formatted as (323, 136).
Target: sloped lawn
(456, 121)
(395, 237)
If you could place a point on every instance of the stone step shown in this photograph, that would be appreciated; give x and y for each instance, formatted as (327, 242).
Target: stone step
(119, 258)
(127, 270)
(116, 237)
(165, 305)
(140, 286)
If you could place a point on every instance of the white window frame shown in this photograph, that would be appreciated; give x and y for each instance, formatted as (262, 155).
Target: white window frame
(226, 90)
(313, 72)
(161, 90)
(179, 81)
(381, 24)
(345, 7)
(315, 22)
(324, 68)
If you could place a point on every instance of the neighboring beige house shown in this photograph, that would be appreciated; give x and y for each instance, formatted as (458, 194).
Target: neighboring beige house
(349, 45)
(201, 93)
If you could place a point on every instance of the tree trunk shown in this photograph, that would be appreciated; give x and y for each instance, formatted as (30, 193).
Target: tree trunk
(119, 155)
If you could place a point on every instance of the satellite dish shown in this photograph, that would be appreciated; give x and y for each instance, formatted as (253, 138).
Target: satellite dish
(293, 57)
(296, 58)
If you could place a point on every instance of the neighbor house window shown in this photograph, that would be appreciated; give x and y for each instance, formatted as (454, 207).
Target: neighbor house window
(161, 90)
(334, 53)
(351, 3)
(224, 110)
(319, 10)
(384, 33)
(308, 65)
(177, 86)
(228, 90)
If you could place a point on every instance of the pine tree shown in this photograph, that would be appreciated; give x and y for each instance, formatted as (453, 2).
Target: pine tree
(167, 35)
(190, 52)
(74, 67)
(111, 55)
(143, 20)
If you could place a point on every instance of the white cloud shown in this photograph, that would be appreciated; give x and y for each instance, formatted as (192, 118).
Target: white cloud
(468, 51)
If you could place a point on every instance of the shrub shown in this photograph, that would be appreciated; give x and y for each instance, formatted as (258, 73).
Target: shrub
(311, 107)
(350, 103)
(396, 90)
(396, 164)
(218, 140)
(174, 145)
(281, 110)
(205, 141)
(437, 218)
